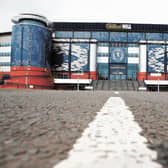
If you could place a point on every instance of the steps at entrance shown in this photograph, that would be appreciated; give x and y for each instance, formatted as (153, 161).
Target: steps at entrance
(116, 85)
(106, 85)
(141, 83)
(99, 85)
(94, 83)
(136, 85)
(130, 85)
(124, 85)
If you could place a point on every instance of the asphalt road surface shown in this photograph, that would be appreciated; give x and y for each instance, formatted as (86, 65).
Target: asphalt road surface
(39, 127)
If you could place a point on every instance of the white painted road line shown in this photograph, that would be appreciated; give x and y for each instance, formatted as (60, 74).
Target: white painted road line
(112, 140)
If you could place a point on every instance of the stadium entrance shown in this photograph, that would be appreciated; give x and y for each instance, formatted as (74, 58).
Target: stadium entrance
(118, 72)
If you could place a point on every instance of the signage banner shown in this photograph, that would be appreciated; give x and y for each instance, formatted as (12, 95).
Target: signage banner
(117, 69)
(118, 55)
(156, 62)
(114, 26)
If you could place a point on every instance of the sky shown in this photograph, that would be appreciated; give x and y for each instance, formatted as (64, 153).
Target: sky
(111, 11)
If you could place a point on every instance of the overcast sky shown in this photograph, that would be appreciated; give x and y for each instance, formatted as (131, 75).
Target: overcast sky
(114, 11)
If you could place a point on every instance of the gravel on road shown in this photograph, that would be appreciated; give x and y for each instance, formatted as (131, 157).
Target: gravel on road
(151, 112)
(39, 127)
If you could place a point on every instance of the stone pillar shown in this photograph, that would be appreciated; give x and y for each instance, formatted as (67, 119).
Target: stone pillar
(93, 73)
(142, 62)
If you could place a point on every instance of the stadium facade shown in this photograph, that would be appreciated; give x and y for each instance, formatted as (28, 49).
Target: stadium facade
(40, 52)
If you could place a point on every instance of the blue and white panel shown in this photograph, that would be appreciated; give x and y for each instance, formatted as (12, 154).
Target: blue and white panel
(103, 49)
(133, 50)
(5, 49)
(79, 56)
(5, 58)
(102, 59)
(133, 55)
(118, 55)
(133, 60)
(103, 70)
(156, 55)
(5, 68)
(30, 45)
(64, 49)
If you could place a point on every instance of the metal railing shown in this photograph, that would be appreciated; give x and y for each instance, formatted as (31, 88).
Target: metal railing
(117, 77)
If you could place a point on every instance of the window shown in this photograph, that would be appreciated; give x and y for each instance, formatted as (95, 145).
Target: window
(133, 50)
(103, 70)
(154, 36)
(135, 37)
(100, 36)
(118, 36)
(132, 70)
(64, 34)
(165, 36)
(103, 50)
(82, 35)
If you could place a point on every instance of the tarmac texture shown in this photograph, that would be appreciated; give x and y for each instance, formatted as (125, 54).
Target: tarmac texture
(151, 112)
(39, 127)
(112, 139)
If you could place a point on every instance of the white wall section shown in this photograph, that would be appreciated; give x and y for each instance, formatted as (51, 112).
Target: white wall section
(5, 59)
(143, 58)
(102, 59)
(133, 60)
(93, 57)
(133, 50)
(103, 50)
(4, 68)
(5, 49)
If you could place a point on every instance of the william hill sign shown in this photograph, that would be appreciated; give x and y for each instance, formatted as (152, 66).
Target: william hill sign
(113, 26)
